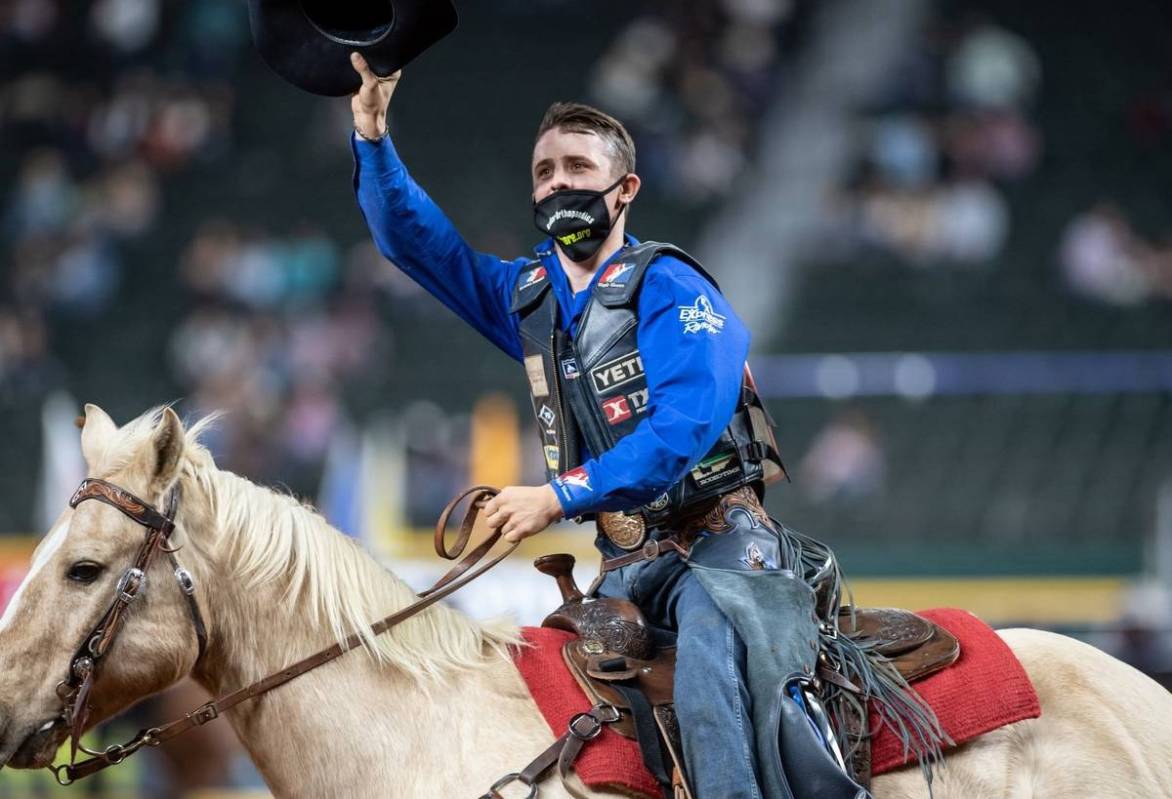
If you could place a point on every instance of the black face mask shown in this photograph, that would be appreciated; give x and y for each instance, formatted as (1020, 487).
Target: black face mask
(577, 219)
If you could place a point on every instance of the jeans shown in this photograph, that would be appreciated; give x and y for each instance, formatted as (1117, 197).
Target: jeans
(711, 698)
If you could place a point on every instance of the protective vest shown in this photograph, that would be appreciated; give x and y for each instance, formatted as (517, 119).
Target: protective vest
(593, 384)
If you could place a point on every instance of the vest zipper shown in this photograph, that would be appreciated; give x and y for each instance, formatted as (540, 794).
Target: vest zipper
(555, 386)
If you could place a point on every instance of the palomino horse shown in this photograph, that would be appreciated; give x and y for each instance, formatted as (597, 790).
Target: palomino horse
(435, 707)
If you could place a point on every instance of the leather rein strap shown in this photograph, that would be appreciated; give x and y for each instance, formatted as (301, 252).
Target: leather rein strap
(460, 575)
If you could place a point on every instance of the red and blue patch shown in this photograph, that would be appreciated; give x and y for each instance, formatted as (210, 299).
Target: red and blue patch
(616, 275)
(533, 278)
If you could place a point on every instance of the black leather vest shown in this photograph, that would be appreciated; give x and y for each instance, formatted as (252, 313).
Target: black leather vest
(593, 384)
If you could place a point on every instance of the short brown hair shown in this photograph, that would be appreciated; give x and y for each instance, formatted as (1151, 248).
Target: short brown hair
(582, 118)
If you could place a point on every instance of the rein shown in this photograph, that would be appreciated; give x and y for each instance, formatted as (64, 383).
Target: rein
(75, 689)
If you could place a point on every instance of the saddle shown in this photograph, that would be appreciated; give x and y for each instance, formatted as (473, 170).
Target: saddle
(615, 661)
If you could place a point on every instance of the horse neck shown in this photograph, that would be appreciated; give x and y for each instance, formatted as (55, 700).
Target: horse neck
(356, 727)
(359, 717)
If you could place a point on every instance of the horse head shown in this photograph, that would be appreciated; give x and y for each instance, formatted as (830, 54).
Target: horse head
(47, 632)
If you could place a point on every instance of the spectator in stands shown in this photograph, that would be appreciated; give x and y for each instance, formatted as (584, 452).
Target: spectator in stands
(845, 462)
(1103, 258)
(992, 67)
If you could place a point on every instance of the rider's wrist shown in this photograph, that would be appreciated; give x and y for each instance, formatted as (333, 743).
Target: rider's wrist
(372, 139)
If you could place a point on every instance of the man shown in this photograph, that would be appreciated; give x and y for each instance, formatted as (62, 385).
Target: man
(636, 368)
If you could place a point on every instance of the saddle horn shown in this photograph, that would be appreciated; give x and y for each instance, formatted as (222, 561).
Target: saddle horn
(561, 568)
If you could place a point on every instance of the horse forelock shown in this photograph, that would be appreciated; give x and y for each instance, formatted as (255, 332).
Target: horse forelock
(270, 541)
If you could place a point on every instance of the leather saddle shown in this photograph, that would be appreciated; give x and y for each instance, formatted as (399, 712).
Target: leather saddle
(615, 659)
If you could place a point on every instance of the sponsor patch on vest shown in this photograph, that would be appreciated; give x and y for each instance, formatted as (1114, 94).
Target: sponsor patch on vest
(576, 477)
(547, 416)
(700, 316)
(616, 275)
(638, 400)
(552, 455)
(534, 277)
(620, 371)
(711, 470)
(617, 409)
(536, 372)
(570, 369)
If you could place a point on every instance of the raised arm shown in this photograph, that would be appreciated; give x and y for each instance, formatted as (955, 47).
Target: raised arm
(414, 234)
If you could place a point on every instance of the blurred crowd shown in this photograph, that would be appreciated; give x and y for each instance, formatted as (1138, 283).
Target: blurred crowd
(109, 100)
(691, 81)
(953, 128)
(277, 327)
(1104, 254)
(113, 107)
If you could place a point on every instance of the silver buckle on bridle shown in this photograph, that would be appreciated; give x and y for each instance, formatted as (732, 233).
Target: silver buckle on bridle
(129, 584)
(185, 580)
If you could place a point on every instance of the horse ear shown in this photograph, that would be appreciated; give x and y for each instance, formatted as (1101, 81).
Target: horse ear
(95, 432)
(169, 440)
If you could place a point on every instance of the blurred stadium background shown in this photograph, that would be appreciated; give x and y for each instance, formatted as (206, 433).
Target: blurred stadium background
(947, 224)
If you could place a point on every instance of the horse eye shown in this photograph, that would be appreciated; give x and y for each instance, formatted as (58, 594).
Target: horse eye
(85, 571)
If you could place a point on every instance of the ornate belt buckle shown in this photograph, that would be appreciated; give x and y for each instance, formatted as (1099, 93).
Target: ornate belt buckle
(625, 532)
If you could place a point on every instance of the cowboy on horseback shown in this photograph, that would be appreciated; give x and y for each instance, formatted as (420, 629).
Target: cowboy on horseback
(650, 425)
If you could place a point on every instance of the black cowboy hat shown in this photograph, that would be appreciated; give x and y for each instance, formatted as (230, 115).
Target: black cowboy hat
(308, 42)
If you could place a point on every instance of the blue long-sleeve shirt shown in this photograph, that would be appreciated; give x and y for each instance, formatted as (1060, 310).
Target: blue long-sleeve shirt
(693, 372)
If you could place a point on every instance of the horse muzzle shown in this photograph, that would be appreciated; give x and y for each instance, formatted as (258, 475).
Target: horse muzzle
(36, 747)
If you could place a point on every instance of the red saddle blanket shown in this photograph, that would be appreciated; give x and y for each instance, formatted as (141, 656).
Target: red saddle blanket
(1003, 695)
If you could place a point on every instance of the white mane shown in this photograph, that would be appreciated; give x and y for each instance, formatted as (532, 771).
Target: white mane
(271, 539)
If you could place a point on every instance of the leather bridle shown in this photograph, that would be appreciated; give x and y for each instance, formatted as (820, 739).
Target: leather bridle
(75, 689)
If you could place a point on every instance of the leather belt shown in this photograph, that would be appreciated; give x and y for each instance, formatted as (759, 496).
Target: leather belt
(650, 551)
(712, 518)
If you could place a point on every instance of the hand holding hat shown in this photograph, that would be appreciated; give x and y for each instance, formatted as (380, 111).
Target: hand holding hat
(369, 104)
